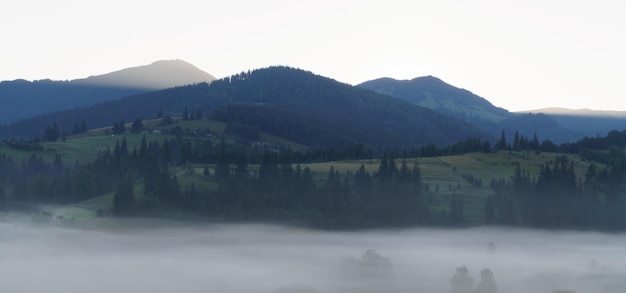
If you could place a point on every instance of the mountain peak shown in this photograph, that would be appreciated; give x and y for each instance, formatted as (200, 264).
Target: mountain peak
(157, 75)
(432, 92)
(428, 78)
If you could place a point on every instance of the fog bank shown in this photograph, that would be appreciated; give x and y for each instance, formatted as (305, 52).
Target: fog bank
(161, 256)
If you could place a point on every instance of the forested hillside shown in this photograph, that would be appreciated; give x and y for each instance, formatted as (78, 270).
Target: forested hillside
(216, 173)
(435, 94)
(328, 113)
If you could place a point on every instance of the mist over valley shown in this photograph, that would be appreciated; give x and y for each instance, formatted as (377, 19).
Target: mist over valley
(167, 256)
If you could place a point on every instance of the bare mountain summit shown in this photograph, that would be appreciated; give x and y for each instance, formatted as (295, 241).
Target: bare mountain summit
(158, 75)
(20, 99)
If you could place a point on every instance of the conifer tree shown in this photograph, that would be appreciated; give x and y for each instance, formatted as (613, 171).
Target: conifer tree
(490, 215)
(501, 144)
(137, 125)
(124, 203)
(185, 114)
(534, 144)
(167, 153)
(198, 114)
(461, 281)
(222, 168)
(2, 198)
(517, 146)
(487, 282)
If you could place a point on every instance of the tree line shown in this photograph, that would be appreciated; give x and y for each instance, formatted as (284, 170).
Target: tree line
(559, 198)
(143, 181)
(277, 187)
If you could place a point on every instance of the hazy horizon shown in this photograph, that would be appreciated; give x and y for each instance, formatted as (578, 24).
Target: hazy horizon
(520, 56)
(168, 256)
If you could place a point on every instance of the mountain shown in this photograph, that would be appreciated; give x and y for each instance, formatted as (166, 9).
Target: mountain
(22, 99)
(590, 122)
(433, 93)
(158, 75)
(287, 102)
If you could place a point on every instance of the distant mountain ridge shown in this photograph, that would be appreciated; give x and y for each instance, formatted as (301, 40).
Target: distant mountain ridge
(433, 93)
(589, 122)
(20, 99)
(557, 124)
(578, 112)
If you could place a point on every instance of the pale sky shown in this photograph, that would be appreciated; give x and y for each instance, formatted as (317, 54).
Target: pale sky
(519, 55)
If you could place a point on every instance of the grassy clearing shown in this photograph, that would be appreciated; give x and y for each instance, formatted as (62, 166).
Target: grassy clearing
(85, 147)
(88, 209)
(18, 155)
(444, 175)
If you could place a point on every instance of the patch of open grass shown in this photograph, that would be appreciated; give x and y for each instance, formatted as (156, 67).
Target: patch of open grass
(444, 175)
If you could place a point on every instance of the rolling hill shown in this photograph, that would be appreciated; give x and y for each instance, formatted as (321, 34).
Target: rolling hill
(295, 104)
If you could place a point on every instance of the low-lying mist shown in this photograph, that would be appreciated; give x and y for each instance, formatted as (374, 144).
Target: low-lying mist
(161, 256)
